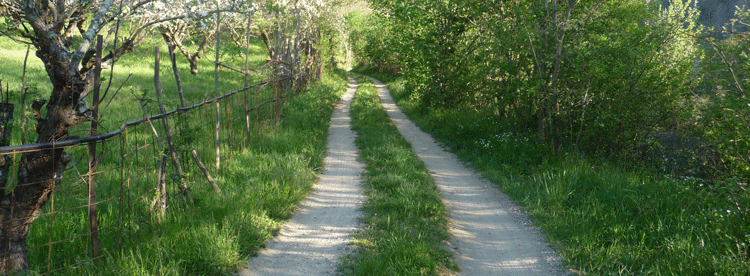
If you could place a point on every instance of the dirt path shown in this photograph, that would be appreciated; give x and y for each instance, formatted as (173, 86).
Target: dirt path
(318, 233)
(489, 233)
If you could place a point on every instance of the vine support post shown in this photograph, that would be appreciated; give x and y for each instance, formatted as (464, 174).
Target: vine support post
(247, 75)
(217, 142)
(92, 150)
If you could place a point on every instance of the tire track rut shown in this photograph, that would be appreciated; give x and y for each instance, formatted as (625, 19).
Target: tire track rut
(311, 242)
(490, 235)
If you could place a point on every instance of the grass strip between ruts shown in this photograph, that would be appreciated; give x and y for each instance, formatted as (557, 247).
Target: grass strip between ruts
(404, 221)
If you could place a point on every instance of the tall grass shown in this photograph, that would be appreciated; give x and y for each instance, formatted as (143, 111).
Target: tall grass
(261, 185)
(262, 178)
(404, 221)
(602, 219)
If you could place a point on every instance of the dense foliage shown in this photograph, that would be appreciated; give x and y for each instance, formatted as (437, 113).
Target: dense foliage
(724, 109)
(583, 73)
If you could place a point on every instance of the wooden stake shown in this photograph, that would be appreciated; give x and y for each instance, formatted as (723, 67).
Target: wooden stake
(217, 143)
(206, 172)
(92, 150)
(168, 131)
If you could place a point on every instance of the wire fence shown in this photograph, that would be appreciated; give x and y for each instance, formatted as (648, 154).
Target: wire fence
(120, 182)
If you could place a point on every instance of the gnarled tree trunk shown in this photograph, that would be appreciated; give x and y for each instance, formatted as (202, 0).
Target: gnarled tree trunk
(38, 176)
(40, 171)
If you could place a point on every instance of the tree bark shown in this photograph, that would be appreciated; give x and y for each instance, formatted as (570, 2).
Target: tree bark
(6, 127)
(39, 172)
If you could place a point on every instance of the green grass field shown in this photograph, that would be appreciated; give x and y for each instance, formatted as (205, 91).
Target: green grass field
(138, 69)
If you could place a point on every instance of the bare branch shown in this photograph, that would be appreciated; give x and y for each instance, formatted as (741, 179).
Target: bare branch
(133, 10)
(91, 32)
(3, 33)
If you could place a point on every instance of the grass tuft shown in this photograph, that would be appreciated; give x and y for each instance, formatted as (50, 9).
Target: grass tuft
(405, 223)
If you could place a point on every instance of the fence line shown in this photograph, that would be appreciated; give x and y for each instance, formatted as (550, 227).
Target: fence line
(129, 166)
(72, 142)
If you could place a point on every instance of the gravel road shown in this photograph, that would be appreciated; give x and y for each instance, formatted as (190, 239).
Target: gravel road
(490, 235)
(318, 233)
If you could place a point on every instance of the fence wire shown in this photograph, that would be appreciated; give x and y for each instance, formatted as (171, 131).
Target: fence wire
(134, 173)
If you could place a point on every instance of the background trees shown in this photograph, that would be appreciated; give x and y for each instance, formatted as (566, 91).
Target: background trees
(192, 22)
(578, 72)
(638, 80)
(637, 83)
(723, 105)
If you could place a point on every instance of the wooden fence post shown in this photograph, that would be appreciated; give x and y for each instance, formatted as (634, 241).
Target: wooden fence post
(276, 107)
(122, 206)
(51, 224)
(229, 126)
(177, 78)
(217, 143)
(24, 91)
(247, 75)
(257, 113)
(92, 150)
(168, 131)
(6, 131)
(160, 202)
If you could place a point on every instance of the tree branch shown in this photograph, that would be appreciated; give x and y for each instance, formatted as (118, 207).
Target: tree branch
(3, 33)
(132, 10)
(91, 32)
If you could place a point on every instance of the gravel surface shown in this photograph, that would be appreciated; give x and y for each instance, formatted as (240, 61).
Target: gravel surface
(318, 233)
(490, 235)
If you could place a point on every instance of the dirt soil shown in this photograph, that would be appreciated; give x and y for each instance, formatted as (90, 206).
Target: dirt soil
(318, 233)
(490, 234)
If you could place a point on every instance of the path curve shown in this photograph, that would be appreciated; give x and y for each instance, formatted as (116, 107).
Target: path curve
(318, 232)
(490, 235)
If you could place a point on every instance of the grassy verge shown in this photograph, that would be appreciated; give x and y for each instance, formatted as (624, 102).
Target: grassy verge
(404, 221)
(261, 186)
(603, 220)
